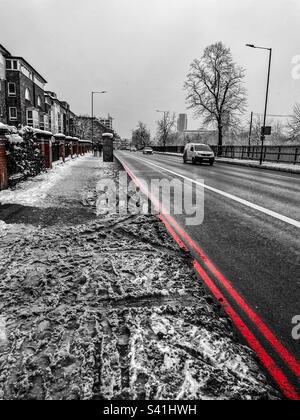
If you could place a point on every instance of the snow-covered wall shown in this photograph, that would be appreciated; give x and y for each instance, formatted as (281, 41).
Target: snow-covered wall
(23, 157)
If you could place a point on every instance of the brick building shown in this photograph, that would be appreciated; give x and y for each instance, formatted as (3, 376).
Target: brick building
(25, 98)
(107, 122)
(84, 128)
(25, 102)
(60, 117)
(3, 84)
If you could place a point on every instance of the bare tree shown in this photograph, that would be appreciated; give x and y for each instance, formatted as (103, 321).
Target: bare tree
(141, 135)
(294, 123)
(165, 127)
(215, 88)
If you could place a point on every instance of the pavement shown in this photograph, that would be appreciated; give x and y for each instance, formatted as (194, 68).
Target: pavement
(280, 167)
(250, 237)
(106, 305)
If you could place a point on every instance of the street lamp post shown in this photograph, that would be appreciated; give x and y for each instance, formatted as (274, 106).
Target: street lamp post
(263, 135)
(164, 138)
(92, 95)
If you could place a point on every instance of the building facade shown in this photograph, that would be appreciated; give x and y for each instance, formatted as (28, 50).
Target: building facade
(3, 84)
(25, 97)
(25, 102)
(83, 125)
(107, 122)
(181, 123)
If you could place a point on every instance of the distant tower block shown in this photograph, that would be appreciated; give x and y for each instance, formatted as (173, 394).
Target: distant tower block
(182, 123)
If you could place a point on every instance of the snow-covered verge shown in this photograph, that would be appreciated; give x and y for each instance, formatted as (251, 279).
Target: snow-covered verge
(112, 309)
(281, 167)
(34, 190)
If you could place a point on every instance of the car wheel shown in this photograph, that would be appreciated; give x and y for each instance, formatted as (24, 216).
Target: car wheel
(211, 163)
(194, 161)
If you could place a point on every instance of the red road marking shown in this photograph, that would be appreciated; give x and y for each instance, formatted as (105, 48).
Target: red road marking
(284, 353)
(279, 377)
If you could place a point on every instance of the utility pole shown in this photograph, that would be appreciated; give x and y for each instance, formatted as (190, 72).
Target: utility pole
(250, 131)
(263, 133)
(92, 96)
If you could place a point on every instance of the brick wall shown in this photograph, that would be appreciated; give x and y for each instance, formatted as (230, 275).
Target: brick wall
(44, 144)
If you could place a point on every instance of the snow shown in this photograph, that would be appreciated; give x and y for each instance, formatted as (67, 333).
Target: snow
(3, 126)
(34, 191)
(284, 167)
(109, 308)
(3, 228)
(14, 138)
(46, 133)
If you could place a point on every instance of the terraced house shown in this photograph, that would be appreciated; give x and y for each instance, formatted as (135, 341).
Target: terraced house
(24, 100)
(3, 84)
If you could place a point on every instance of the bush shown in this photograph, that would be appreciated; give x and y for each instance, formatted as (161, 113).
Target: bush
(24, 159)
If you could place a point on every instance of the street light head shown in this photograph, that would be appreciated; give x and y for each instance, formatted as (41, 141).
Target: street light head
(250, 45)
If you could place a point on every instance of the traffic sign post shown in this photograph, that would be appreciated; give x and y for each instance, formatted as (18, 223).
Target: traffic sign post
(266, 131)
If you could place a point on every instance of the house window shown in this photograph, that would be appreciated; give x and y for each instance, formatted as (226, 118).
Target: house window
(59, 122)
(12, 89)
(11, 64)
(42, 122)
(39, 101)
(12, 113)
(27, 94)
(29, 115)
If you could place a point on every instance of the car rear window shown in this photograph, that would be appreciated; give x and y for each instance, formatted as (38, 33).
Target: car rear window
(202, 148)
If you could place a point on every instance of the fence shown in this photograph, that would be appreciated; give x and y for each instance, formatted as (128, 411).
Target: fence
(278, 154)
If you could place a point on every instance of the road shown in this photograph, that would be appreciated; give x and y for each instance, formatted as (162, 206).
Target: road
(251, 239)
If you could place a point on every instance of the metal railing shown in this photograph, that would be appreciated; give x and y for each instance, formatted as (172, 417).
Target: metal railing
(278, 154)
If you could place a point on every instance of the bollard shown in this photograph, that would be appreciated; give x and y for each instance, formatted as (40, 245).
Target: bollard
(3, 162)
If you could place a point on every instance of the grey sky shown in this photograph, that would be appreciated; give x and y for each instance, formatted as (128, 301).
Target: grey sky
(140, 50)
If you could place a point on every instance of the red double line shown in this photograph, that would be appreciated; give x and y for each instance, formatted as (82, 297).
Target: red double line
(277, 374)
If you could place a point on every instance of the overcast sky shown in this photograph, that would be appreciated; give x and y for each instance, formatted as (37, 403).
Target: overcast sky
(140, 50)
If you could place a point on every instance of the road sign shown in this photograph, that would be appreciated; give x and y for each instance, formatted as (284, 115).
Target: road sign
(266, 131)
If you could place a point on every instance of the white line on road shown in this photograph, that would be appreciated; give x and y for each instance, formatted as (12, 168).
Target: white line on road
(230, 196)
(247, 169)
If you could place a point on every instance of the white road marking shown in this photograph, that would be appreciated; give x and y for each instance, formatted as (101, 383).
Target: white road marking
(230, 196)
(288, 176)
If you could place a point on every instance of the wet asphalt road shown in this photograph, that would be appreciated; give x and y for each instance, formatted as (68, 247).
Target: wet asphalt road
(257, 253)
